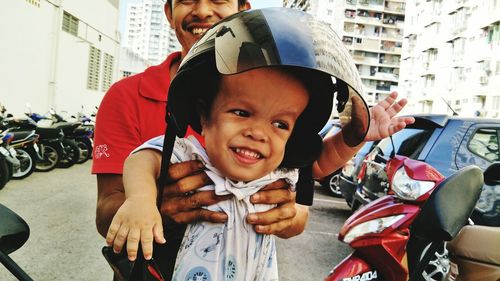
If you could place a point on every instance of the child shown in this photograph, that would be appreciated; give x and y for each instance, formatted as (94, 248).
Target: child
(258, 124)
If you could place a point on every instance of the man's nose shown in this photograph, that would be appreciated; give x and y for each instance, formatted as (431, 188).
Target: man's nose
(203, 9)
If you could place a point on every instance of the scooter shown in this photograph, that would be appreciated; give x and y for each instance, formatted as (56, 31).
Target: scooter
(474, 253)
(395, 236)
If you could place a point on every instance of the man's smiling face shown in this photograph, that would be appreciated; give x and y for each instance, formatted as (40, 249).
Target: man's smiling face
(191, 18)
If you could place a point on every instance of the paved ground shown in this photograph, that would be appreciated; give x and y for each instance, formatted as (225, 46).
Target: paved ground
(64, 245)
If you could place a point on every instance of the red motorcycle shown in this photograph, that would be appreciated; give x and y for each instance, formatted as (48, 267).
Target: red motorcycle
(395, 236)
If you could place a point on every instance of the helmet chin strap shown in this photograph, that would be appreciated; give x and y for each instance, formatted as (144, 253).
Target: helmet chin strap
(168, 146)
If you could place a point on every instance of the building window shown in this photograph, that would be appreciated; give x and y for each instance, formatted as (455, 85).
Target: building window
(126, 74)
(35, 3)
(93, 70)
(70, 24)
(107, 72)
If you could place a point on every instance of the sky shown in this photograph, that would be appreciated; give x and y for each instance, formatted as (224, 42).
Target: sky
(255, 4)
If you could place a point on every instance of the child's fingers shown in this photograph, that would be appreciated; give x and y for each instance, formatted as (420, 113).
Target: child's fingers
(120, 238)
(133, 243)
(113, 229)
(147, 243)
(158, 233)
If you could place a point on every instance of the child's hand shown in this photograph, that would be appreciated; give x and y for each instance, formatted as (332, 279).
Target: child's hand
(383, 120)
(138, 219)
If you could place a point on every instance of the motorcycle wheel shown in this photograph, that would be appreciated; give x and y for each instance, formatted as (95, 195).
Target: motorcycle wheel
(71, 154)
(4, 172)
(85, 147)
(439, 265)
(27, 157)
(50, 158)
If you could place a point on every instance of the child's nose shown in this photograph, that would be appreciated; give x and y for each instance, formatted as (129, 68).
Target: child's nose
(256, 132)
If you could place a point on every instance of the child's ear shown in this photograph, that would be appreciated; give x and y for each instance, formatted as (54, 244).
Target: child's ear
(201, 108)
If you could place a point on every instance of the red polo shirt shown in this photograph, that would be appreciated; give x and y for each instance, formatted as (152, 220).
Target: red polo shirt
(131, 112)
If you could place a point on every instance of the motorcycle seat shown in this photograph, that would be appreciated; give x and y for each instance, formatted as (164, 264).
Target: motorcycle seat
(21, 136)
(48, 133)
(66, 125)
(479, 243)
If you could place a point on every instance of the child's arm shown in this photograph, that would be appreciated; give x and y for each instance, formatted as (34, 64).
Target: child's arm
(138, 219)
(383, 123)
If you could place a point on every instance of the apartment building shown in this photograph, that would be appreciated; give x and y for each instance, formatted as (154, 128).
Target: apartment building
(451, 57)
(147, 32)
(372, 30)
(59, 54)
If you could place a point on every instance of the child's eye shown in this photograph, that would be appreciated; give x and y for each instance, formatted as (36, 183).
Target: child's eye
(281, 125)
(241, 113)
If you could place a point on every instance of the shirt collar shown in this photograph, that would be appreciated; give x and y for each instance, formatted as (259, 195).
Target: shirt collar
(155, 80)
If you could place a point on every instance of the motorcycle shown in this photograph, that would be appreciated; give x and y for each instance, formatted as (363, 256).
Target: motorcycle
(395, 237)
(469, 259)
(26, 151)
(7, 158)
(51, 150)
(77, 141)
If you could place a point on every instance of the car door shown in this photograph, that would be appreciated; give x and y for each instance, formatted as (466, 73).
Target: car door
(480, 146)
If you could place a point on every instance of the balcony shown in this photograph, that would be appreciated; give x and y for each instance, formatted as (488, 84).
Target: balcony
(394, 36)
(366, 44)
(373, 5)
(394, 8)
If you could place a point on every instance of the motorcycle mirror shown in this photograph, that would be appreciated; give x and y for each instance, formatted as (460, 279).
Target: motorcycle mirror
(14, 231)
(492, 174)
(450, 205)
(28, 105)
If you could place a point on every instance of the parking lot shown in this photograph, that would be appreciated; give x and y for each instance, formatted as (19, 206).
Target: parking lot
(59, 206)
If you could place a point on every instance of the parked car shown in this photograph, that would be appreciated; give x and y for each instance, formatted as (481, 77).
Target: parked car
(349, 174)
(331, 182)
(447, 143)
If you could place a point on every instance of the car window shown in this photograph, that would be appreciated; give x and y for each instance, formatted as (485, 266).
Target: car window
(484, 143)
(409, 142)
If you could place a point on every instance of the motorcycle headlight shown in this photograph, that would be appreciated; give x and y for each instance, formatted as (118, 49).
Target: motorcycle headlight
(407, 188)
(373, 226)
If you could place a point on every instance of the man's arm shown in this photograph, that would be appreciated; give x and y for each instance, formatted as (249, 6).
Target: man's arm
(110, 196)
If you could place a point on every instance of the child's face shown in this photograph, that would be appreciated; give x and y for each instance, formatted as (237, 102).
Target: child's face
(251, 119)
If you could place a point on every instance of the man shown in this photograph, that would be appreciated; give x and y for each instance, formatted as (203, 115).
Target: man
(133, 111)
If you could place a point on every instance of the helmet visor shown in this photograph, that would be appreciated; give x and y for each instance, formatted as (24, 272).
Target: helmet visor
(288, 37)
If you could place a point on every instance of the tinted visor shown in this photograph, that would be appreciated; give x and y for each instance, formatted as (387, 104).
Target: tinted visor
(288, 37)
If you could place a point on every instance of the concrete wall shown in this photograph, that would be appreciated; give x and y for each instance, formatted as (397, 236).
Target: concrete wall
(47, 67)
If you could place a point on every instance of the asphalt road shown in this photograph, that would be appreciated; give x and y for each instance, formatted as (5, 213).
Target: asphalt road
(59, 206)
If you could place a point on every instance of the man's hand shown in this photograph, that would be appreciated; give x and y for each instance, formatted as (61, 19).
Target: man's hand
(286, 220)
(181, 204)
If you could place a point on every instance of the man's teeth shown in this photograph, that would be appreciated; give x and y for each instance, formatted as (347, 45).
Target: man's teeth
(248, 153)
(198, 30)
